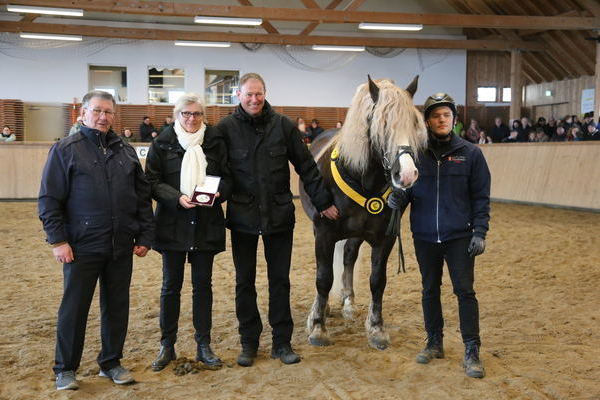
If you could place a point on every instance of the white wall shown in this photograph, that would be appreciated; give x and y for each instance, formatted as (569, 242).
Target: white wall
(57, 74)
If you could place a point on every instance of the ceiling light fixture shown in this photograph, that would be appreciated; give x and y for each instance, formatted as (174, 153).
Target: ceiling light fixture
(227, 21)
(71, 12)
(50, 36)
(338, 48)
(390, 27)
(201, 44)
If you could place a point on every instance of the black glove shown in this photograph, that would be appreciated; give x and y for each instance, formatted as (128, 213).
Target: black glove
(398, 200)
(476, 247)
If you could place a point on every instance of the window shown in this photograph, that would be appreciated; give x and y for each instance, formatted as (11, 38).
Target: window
(506, 94)
(486, 94)
(165, 85)
(109, 79)
(220, 86)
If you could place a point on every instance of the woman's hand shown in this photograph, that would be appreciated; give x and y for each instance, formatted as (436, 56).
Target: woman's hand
(185, 202)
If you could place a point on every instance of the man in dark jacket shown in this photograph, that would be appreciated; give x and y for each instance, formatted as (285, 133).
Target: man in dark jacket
(449, 219)
(147, 130)
(499, 131)
(95, 206)
(261, 143)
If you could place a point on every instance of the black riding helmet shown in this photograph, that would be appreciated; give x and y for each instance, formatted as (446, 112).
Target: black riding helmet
(438, 100)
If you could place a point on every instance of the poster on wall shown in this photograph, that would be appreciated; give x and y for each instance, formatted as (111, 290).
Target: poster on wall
(587, 100)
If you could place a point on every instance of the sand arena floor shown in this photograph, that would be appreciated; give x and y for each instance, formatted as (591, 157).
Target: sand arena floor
(537, 284)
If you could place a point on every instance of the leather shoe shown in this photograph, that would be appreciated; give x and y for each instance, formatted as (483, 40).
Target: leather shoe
(206, 355)
(285, 353)
(166, 354)
(247, 356)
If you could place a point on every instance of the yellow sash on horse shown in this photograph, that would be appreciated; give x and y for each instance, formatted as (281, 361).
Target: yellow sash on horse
(374, 205)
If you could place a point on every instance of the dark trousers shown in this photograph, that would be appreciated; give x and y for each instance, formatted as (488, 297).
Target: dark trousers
(430, 257)
(80, 279)
(170, 295)
(278, 254)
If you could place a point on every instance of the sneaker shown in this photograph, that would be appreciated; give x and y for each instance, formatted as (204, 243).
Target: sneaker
(285, 353)
(119, 375)
(66, 381)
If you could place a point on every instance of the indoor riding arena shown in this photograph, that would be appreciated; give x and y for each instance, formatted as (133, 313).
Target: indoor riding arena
(537, 282)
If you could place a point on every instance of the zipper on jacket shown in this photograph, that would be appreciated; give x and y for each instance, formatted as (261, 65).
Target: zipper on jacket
(437, 202)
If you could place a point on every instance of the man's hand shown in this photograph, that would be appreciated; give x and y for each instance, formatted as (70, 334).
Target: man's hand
(63, 253)
(184, 201)
(398, 200)
(140, 251)
(331, 213)
(476, 247)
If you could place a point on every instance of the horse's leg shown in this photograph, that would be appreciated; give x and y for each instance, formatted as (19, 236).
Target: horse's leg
(315, 325)
(376, 335)
(350, 255)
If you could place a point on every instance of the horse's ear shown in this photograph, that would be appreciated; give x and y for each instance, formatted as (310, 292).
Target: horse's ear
(373, 89)
(412, 87)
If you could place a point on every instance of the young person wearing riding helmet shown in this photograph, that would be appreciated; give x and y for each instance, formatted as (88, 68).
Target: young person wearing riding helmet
(449, 218)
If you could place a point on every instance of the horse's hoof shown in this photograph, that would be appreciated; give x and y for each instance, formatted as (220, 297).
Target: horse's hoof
(379, 341)
(319, 341)
(348, 313)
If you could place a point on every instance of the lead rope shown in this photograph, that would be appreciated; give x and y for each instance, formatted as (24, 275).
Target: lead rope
(394, 229)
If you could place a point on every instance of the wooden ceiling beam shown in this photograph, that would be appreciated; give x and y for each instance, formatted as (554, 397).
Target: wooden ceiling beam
(590, 5)
(561, 56)
(355, 5)
(325, 16)
(158, 34)
(266, 25)
(311, 3)
(538, 65)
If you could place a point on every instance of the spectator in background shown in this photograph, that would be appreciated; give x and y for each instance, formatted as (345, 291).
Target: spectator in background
(561, 134)
(526, 125)
(168, 122)
(521, 134)
(499, 131)
(147, 130)
(301, 125)
(484, 138)
(540, 135)
(593, 133)
(7, 135)
(541, 124)
(127, 135)
(76, 126)
(588, 119)
(473, 133)
(314, 129)
(459, 127)
(574, 134)
(552, 123)
(338, 125)
(512, 137)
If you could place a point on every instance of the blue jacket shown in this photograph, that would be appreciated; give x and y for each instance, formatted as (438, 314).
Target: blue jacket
(451, 198)
(98, 203)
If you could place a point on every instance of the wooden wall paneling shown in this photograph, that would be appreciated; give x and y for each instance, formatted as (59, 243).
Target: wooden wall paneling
(159, 113)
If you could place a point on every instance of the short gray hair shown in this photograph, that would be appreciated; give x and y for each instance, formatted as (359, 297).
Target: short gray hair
(97, 94)
(184, 100)
(252, 75)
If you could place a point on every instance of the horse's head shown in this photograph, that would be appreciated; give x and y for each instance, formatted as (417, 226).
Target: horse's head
(382, 118)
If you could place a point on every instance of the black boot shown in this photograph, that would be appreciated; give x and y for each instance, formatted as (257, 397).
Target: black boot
(165, 355)
(206, 355)
(434, 348)
(285, 353)
(473, 366)
(247, 355)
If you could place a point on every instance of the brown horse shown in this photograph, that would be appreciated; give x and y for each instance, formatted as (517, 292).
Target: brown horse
(361, 163)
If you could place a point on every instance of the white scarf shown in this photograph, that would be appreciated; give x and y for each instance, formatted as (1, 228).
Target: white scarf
(193, 166)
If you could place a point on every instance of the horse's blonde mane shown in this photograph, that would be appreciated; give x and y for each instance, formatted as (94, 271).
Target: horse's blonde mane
(394, 121)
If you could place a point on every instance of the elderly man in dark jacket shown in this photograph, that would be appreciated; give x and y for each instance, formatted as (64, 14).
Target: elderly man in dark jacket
(96, 209)
(449, 218)
(261, 143)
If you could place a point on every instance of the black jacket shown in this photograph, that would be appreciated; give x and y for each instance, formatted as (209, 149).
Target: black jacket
(146, 132)
(260, 150)
(499, 133)
(179, 229)
(98, 203)
(451, 198)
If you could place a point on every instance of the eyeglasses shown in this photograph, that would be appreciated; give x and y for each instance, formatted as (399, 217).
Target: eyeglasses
(188, 114)
(97, 111)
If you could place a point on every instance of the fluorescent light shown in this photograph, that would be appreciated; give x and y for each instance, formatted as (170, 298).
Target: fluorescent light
(227, 21)
(50, 36)
(201, 44)
(390, 27)
(338, 48)
(72, 12)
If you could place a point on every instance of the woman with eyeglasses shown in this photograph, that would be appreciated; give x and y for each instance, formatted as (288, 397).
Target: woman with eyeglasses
(178, 160)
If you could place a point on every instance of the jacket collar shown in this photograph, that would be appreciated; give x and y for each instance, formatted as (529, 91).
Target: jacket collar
(261, 119)
(108, 139)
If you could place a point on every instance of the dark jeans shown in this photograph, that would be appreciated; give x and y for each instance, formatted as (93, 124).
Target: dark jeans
(278, 254)
(80, 279)
(170, 295)
(430, 257)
